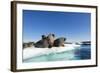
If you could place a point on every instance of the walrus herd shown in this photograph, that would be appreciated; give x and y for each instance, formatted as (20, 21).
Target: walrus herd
(48, 41)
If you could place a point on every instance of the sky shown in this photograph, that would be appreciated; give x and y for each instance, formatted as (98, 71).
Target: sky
(75, 26)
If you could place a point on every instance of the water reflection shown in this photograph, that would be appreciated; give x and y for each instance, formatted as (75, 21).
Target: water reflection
(84, 52)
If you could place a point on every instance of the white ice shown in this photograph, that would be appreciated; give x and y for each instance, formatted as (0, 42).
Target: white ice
(32, 51)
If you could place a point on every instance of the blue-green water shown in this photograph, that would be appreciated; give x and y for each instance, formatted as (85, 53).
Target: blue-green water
(81, 53)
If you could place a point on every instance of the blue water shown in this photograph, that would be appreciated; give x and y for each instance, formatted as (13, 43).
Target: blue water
(81, 53)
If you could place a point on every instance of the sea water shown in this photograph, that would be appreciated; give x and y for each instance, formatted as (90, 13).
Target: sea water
(80, 53)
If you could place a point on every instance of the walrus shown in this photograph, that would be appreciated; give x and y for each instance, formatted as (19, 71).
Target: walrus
(51, 38)
(43, 43)
(59, 42)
